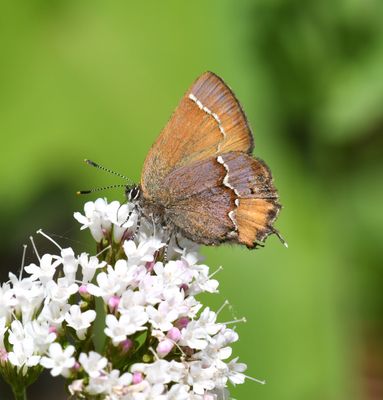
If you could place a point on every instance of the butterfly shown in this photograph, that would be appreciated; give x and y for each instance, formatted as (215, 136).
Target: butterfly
(199, 178)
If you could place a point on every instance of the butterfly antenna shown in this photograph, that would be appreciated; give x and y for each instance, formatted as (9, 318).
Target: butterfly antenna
(93, 164)
(99, 189)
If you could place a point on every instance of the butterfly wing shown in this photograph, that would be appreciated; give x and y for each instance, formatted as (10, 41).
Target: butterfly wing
(197, 202)
(257, 204)
(226, 198)
(208, 121)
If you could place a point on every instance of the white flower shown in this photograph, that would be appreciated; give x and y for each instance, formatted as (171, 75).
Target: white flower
(93, 363)
(61, 291)
(144, 252)
(108, 383)
(179, 391)
(3, 329)
(107, 286)
(99, 384)
(217, 394)
(28, 295)
(76, 387)
(7, 300)
(115, 329)
(46, 270)
(194, 336)
(70, 264)
(89, 266)
(23, 356)
(123, 274)
(80, 321)
(207, 320)
(118, 215)
(130, 299)
(174, 273)
(202, 282)
(41, 334)
(201, 377)
(54, 313)
(152, 286)
(129, 323)
(163, 317)
(96, 218)
(146, 391)
(235, 370)
(157, 372)
(16, 332)
(59, 361)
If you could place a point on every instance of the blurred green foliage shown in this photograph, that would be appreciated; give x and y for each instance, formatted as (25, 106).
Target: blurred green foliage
(99, 79)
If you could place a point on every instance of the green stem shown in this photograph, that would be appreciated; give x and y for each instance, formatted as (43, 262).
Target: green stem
(19, 393)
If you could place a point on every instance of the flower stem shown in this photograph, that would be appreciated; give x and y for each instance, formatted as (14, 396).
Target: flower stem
(19, 393)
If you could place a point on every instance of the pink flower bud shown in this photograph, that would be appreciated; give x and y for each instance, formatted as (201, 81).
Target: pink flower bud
(53, 329)
(104, 232)
(113, 303)
(76, 366)
(150, 265)
(3, 356)
(83, 290)
(174, 334)
(182, 322)
(184, 287)
(165, 347)
(126, 345)
(137, 378)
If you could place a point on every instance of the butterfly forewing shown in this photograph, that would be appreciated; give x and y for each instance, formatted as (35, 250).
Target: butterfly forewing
(208, 121)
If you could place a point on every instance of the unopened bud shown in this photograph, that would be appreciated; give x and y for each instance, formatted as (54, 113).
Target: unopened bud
(165, 347)
(137, 378)
(150, 265)
(113, 303)
(126, 345)
(182, 323)
(174, 334)
(83, 290)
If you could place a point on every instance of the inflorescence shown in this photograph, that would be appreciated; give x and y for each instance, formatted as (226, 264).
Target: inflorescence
(122, 324)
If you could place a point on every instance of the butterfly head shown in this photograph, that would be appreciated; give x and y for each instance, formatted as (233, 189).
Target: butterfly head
(132, 192)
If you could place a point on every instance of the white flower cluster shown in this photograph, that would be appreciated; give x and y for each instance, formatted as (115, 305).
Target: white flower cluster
(159, 340)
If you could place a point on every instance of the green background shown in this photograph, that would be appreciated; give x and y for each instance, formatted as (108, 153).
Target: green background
(99, 79)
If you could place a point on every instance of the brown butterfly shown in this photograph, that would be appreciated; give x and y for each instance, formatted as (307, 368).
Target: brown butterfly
(200, 179)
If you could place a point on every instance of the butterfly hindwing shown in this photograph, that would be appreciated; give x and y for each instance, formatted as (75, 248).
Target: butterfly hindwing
(256, 201)
(197, 202)
(230, 197)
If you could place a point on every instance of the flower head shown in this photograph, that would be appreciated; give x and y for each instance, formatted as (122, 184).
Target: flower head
(161, 342)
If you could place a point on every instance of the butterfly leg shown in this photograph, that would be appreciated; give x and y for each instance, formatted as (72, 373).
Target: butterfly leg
(166, 247)
(138, 223)
(129, 215)
(257, 245)
(178, 243)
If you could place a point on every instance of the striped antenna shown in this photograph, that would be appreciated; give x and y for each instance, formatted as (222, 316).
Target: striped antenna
(93, 164)
(99, 189)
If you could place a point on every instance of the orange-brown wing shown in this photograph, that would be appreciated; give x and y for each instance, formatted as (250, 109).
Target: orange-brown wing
(257, 204)
(208, 121)
(198, 203)
(226, 198)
